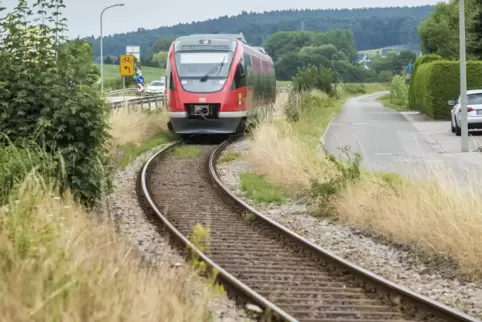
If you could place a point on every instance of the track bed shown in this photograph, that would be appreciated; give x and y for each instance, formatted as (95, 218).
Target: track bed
(301, 284)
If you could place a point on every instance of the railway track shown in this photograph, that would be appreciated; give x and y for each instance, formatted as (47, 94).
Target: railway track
(262, 262)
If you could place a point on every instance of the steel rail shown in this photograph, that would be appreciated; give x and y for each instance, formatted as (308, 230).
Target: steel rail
(226, 277)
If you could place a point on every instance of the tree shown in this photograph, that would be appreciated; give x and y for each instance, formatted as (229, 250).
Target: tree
(42, 100)
(372, 28)
(160, 59)
(109, 60)
(440, 31)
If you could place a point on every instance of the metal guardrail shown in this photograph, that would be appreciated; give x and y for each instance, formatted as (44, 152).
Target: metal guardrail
(119, 92)
(151, 101)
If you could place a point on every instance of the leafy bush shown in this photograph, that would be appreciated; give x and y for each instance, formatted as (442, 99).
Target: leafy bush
(399, 91)
(38, 104)
(18, 162)
(439, 81)
(348, 171)
(354, 89)
(312, 77)
(385, 76)
(414, 91)
(116, 83)
(299, 102)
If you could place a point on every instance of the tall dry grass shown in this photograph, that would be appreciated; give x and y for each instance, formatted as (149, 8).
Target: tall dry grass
(58, 265)
(432, 216)
(285, 152)
(435, 216)
(128, 125)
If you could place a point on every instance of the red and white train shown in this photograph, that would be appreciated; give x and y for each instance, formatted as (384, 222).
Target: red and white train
(214, 81)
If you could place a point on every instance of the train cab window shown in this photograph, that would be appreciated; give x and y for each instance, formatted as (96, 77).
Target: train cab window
(239, 77)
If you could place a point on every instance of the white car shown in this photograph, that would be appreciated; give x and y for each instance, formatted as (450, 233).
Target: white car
(156, 88)
(474, 111)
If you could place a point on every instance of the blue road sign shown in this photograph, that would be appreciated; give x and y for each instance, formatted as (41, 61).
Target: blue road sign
(140, 80)
(409, 68)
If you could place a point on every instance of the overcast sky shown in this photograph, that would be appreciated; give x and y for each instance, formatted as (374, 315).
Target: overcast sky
(84, 15)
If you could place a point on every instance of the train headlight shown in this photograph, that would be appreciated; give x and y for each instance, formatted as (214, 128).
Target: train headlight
(240, 98)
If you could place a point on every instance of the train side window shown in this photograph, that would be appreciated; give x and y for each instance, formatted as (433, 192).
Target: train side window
(239, 77)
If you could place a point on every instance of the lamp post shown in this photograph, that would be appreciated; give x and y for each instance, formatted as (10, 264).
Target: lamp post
(102, 46)
(463, 79)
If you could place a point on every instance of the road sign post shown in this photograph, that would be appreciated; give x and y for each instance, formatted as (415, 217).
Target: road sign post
(124, 90)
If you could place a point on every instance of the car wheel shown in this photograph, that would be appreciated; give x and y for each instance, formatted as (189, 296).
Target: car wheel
(458, 130)
(452, 128)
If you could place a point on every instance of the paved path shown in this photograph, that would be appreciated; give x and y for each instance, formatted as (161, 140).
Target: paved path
(404, 142)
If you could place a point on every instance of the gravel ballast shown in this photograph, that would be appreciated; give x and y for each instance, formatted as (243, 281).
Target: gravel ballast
(136, 228)
(435, 280)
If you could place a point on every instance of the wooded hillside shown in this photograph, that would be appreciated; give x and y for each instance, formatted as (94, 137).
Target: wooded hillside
(372, 27)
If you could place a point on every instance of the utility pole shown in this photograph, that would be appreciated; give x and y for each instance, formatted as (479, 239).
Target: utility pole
(463, 79)
(102, 46)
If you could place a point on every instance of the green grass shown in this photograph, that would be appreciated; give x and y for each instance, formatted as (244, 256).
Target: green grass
(228, 157)
(350, 89)
(150, 74)
(187, 151)
(256, 188)
(386, 101)
(283, 83)
(132, 151)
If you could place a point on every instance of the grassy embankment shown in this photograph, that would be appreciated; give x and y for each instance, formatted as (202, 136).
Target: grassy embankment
(59, 263)
(429, 217)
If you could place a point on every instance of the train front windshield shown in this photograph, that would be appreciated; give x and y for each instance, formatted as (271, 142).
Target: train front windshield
(203, 71)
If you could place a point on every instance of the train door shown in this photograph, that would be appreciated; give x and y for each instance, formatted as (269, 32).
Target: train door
(249, 81)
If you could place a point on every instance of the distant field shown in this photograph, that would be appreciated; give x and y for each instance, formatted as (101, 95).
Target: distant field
(373, 52)
(150, 73)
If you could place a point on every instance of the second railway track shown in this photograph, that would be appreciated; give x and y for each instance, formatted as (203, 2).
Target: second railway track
(260, 261)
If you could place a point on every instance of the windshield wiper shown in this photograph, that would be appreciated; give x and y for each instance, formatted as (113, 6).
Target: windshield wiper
(220, 66)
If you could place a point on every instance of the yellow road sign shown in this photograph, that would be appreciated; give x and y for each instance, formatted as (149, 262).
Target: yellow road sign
(126, 65)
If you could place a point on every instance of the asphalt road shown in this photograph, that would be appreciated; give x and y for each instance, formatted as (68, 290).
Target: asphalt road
(407, 143)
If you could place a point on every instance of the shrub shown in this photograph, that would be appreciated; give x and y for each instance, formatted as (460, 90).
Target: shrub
(399, 91)
(38, 105)
(312, 77)
(385, 76)
(439, 81)
(298, 102)
(414, 94)
(18, 162)
(354, 89)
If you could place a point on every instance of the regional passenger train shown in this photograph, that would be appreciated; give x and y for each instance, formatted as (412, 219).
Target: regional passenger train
(214, 81)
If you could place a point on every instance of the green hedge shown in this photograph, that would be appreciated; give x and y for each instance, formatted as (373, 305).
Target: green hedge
(414, 94)
(439, 81)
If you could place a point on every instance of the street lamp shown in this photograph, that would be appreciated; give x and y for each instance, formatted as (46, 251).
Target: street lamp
(463, 79)
(102, 46)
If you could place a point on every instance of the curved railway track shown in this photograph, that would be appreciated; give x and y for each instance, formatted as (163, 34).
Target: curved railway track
(262, 262)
